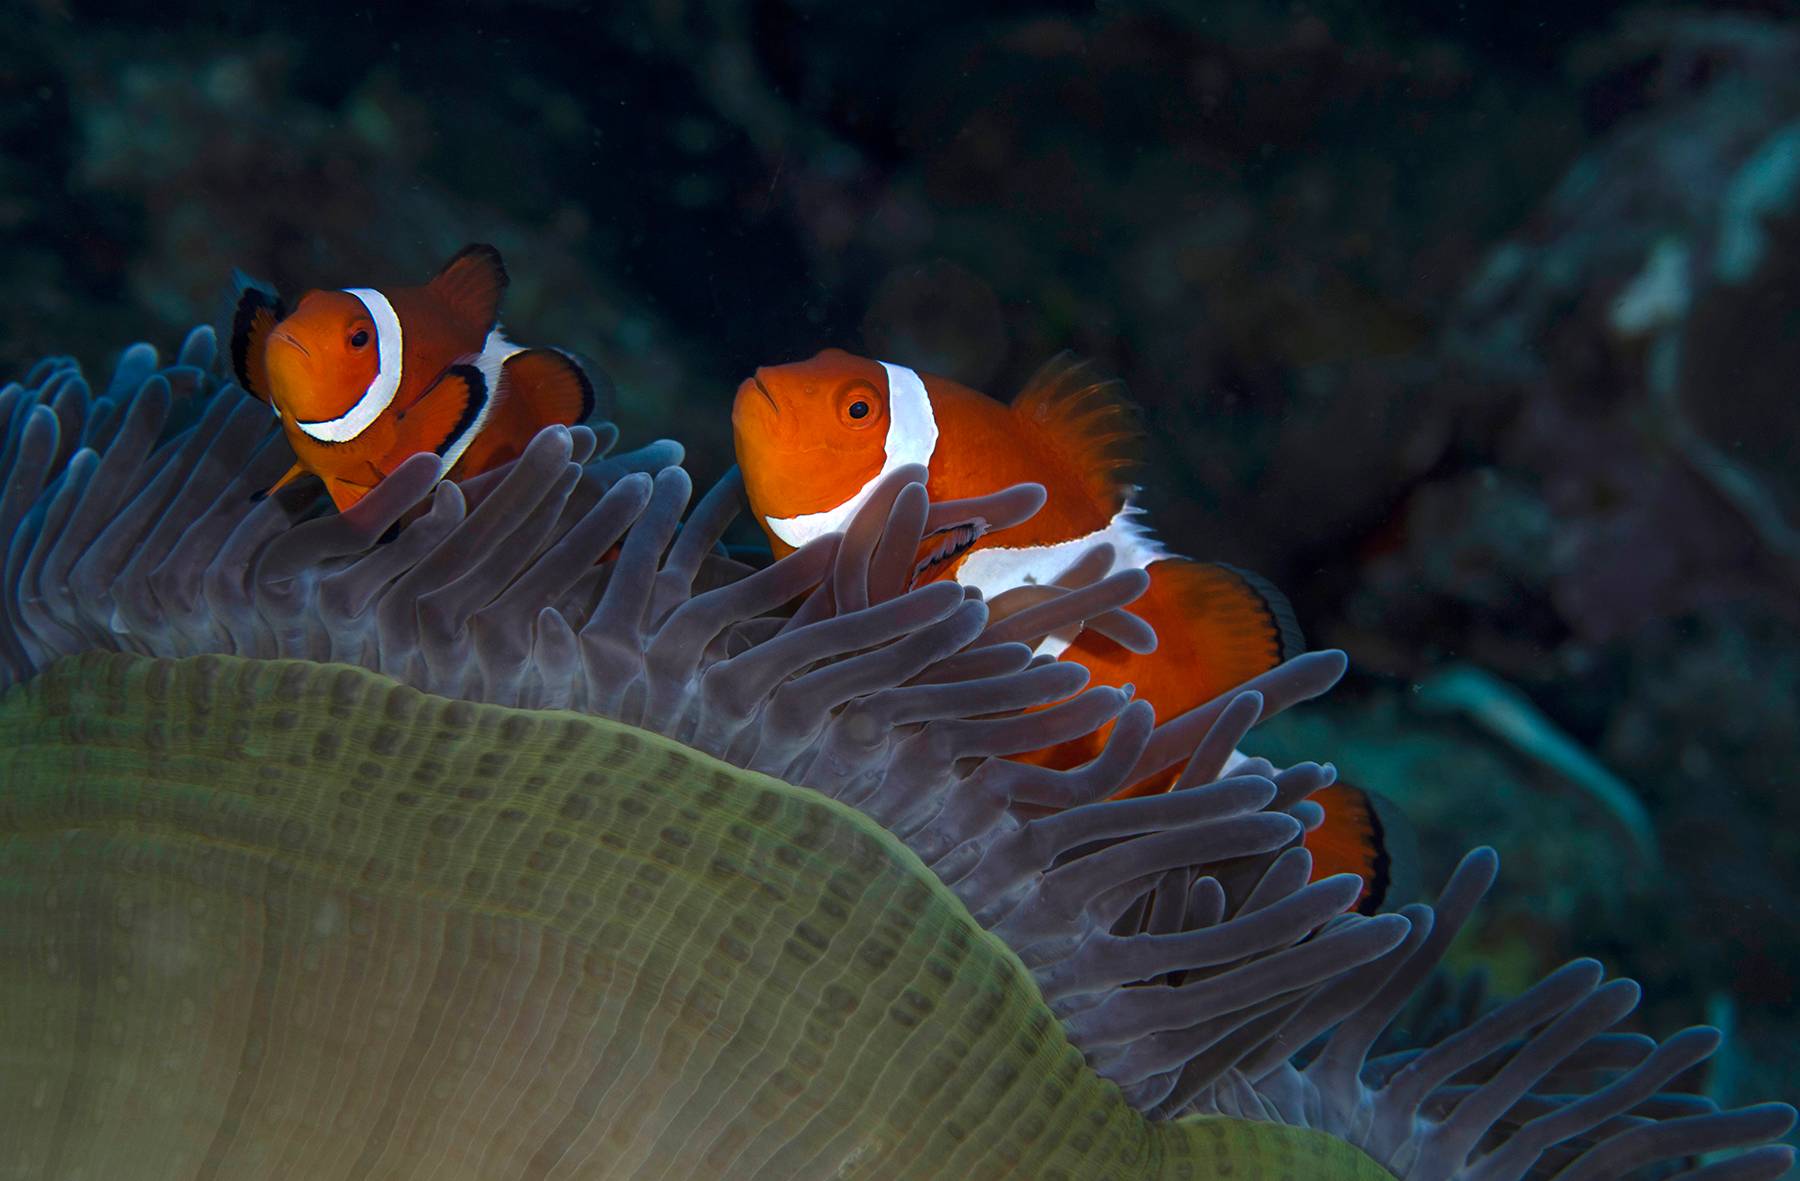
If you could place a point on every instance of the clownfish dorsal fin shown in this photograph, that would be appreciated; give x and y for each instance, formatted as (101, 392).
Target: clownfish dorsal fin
(538, 388)
(256, 312)
(549, 386)
(1085, 420)
(471, 285)
(1291, 642)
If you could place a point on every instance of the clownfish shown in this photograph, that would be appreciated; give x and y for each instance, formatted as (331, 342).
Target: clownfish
(814, 437)
(362, 379)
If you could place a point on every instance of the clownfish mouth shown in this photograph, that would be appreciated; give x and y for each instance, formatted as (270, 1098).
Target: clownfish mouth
(282, 337)
(764, 391)
(940, 549)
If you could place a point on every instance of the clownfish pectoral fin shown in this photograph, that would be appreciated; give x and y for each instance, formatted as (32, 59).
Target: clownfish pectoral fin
(256, 311)
(471, 285)
(1086, 421)
(538, 388)
(1362, 834)
(445, 413)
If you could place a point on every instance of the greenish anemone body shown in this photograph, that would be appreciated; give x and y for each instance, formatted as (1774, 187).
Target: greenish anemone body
(277, 918)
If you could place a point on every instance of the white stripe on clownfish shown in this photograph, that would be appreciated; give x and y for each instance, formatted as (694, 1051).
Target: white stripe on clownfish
(911, 438)
(995, 569)
(389, 355)
(495, 352)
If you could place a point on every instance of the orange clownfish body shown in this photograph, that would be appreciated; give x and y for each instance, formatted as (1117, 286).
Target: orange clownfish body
(362, 379)
(815, 436)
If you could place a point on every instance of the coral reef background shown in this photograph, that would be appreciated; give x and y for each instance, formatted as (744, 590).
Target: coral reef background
(1473, 327)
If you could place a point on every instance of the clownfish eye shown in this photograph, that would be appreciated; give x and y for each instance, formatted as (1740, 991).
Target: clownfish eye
(359, 338)
(857, 405)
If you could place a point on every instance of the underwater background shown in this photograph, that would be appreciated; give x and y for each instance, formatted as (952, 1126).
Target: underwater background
(1475, 328)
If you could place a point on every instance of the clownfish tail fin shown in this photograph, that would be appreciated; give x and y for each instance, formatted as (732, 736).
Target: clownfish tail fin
(1366, 835)
(537, 388)
(471, 285)
(256, 309)
(1087, 422)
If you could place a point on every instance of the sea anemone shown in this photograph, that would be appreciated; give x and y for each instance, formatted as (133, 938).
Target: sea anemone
(413, 841)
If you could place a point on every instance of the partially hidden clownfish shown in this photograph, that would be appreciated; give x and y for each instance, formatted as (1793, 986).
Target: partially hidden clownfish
(362, 379)
(814, 437)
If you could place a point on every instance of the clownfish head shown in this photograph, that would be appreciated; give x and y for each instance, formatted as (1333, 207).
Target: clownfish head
(324, 357)
(813, 438)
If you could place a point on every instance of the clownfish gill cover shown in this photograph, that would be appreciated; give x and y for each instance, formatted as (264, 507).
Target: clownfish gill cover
(411, 840)
(794, 592)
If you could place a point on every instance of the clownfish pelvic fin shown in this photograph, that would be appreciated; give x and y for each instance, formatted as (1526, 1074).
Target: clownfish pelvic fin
(287, 477)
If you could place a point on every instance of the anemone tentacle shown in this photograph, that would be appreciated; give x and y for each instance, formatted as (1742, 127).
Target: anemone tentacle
(1173, 941)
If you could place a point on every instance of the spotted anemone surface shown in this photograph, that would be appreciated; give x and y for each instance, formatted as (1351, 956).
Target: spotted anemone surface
(1175, 938)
